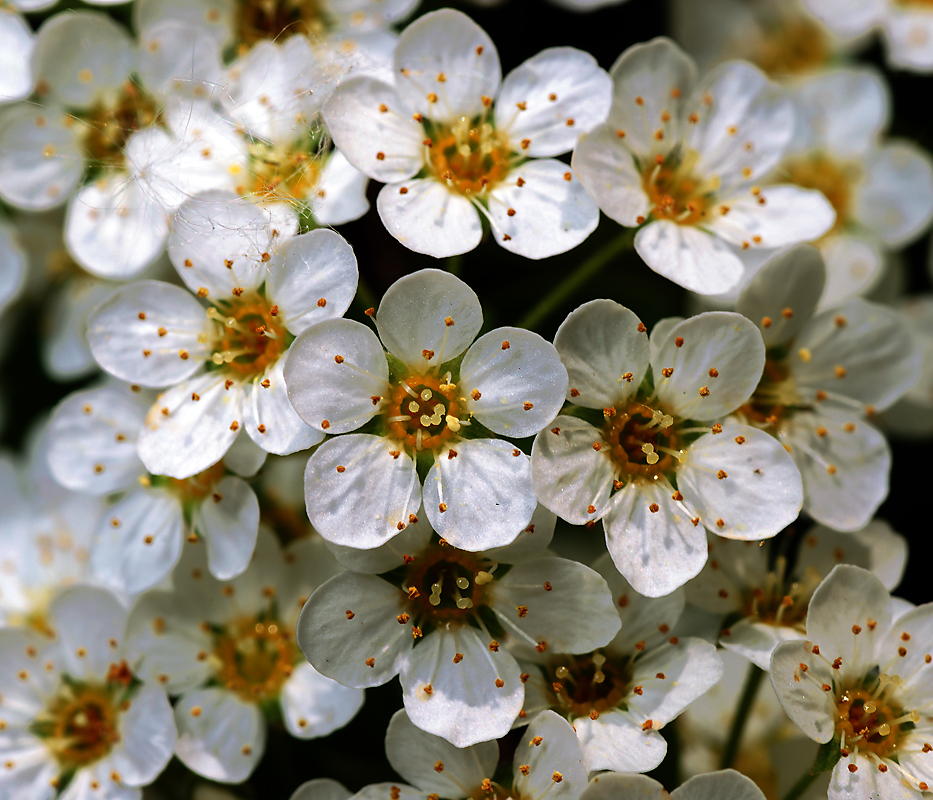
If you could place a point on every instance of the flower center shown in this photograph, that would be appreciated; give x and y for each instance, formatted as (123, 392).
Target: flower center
(867, 720)
(588, 684)
(775, 397)
(835, 179)
(793, 45)
(777, 604)
(915, 3)
(674, 190)
(260, 20)
(107, 126)
(197, 487)
(255, 656)
(248, 338)
(445, 584)
(641, 440)
(286, 173)
(469, 157)
(422, 412)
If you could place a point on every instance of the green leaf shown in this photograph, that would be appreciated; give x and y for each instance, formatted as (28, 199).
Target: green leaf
(827, 756)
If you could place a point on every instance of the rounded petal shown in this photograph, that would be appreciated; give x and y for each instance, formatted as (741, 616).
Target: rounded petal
(428, 310)
(548, 213)
(909, 36)
(725, 785)
(447, 55)
(616, 742)
(605, 352)
(719, 352)
(359, 490)
(179, 57)
(341, 195)
(214, 17)
(875, 547)
(520, 379)
(316, 706)
(427, 217)
(853, 266)
(869, 782)
(801, 693)
(609, 173)
(482, 497)
(229, 521)
(741, 483)
(549, 760)
(270, 419)
(412, 539)
(147, 737)
(756, 640)
(17, 37)
(461, 700)
(539, 97)
(366, 649)
(219, 735)
(86, 620)
(321, 789)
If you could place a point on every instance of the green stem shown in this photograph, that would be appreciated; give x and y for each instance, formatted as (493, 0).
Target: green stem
(453, 264)
(801, 786)
(587, 270)
(742, 713)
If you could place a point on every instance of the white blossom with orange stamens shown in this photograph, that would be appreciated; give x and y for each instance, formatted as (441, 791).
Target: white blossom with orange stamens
(454, 143)
(860, 685)
(825, 375)
(223, 364)
(75, 720)
(465, 611)
(426, 400)
(643, 450)
(684, 159)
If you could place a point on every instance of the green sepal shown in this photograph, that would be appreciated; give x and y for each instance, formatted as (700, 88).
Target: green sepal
(827, 756)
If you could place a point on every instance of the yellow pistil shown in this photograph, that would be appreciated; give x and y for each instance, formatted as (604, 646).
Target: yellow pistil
(423, 412)
(249, 336)
(868, 720)
(675, 192)
(81, 724)
(106, 128)
(471, 157)
(641, 440)
(267, 20)
(286, 174)
(835, 179)
(792, 46)
(255, 657)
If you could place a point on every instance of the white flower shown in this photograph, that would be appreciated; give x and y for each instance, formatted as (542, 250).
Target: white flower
(223, 366)
(423, 399)
(687, 158)
(464, 610)
(621, 695)
(725, 785)
(634, 454)
(16, 78)
(882, 190)
(912, 415)
(547, 763)
(764, 607)
(92, 449)
(77, 721)
(321, 789)
(860, 685)
(824, 374)
(455, 143)
(229, 651)
(906, 27)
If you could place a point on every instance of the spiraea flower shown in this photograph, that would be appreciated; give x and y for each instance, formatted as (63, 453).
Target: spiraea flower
(726, 785)
(76, 720)
(444, 620)
(547, 763)
(860, 685)
(455, 144)
(882, 191)
(763, 606)
(223, 363)
(432, 407)
(620, 696)
(684, 161)
(641, 448)
(92, 449)
(825, 374)
(229, 651)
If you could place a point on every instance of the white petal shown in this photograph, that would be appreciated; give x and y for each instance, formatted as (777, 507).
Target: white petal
(609, 173)
(909, 38)
(756, 640)
(211, 16)
(868, 782)
(568, 474)
(144, 545)
(321, 789)
(362, 130)
(271, 421)
(599, 343)
(847, 18)
(341, 194)
(716, 343)
(753, 487)
(464, 705)
(413, 316)
(92, 440)
(548, 214)
(875, 547)
(581, 91)
(333, 371)
(531, 542)
(412, 539)
(224, 739)
(86, 620)
(315, 266)
(41, 159)
(656, 551)
(339, 646)
(725, 785)
(65, 353)
(446, 43)
(126, 326)
(801, 693)
(413, 754)
(485, 491)
(215, 228)
(794, 280)
(229, 520)
(688, 256)
(575, 615)
(147, 737)
(918, 679)
(615, 741)
(12, 264)
(173, 55)
(427, 217)
(194, 434)
(553, 758)
(17, 37)
(853, 266)
(244, 457)
(522, 386)
(363, 505)
(316, 706)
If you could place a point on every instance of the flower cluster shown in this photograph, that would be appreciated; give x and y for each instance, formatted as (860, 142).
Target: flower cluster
(256, 467)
